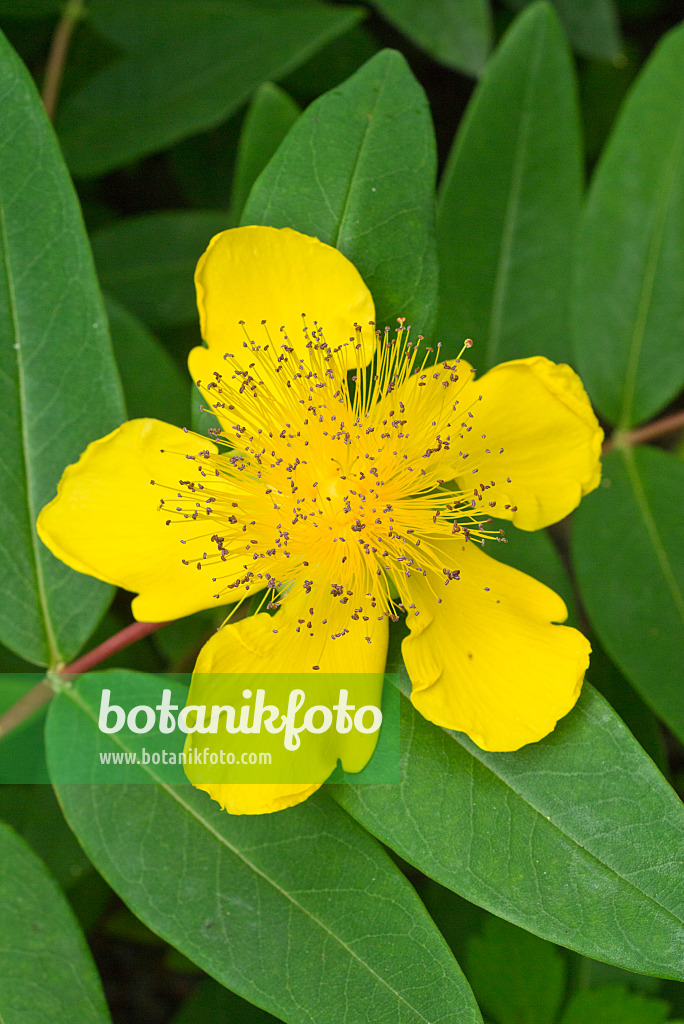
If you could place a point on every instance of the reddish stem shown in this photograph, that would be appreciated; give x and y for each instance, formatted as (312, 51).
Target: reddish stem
(42, 692)
(665, 425)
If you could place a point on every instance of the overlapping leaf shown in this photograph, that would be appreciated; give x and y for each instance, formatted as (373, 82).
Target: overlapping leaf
(357, 171)
(547, 837)
(58, 384)
(300, 913)
(629, 303)
(627, 552)
(505, 237)
(46, 972)
(186, 66)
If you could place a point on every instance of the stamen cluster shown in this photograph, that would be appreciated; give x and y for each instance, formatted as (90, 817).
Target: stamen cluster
(332, 484)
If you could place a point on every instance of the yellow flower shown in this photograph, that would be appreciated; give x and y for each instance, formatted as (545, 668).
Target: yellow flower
(346, 502)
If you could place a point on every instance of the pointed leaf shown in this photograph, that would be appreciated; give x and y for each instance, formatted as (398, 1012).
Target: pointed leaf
(58, 384)
(344, 176)
(578, 838)
(505, 236)
(187, 66)
(628, 302)
(639, 617)
(299, 912)
(46, 972)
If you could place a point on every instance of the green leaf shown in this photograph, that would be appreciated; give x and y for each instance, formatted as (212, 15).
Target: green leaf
(628, 301)
(148, 262)
(591, 25)
(187, 65)
(614, 1004)
(505, 237)
(639, 616)
(517, 978)
(255, 901)
(558, 837)
(58, 383)
(364, 190)
(152, 381)
(210, 1004)
(270, 116)
(457, 33)
(46, 972)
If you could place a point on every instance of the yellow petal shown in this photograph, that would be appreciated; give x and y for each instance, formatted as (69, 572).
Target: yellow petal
(487, 661)
(106, 520)
(252, 274)
(539, 413)
(270, 647)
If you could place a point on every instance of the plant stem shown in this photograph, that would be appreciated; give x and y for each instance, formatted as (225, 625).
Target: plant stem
(665, 425)
(43, 692)
(72, 13)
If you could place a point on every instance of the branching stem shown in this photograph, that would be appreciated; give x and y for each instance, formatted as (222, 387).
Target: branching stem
(44, 691)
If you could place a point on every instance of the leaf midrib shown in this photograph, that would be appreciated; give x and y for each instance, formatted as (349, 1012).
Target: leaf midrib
(382, 83)
(652, 529)
(74, 696)
(648, 282)
(548, 821)
(512, 206)
(30, 498)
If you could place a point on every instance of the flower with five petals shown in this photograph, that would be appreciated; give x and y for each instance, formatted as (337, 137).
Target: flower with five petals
(352, 479)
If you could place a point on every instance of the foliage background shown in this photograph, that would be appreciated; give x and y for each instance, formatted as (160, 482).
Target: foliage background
(554, 875)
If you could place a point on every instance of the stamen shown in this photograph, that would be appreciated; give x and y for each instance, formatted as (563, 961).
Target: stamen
(331, 487)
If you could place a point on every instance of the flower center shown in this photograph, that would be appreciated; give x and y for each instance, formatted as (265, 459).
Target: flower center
(330, 486)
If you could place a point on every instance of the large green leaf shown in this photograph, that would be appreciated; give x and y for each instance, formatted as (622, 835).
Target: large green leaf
(505, 235)
(629, 303)
(301, 912)
(58, 383)
(577, 838)
(357, 171)
(148, 262)
(46, 973)
(270, 116)
(187, 65)
(628, 557)
(153, 383)
(457, 33)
